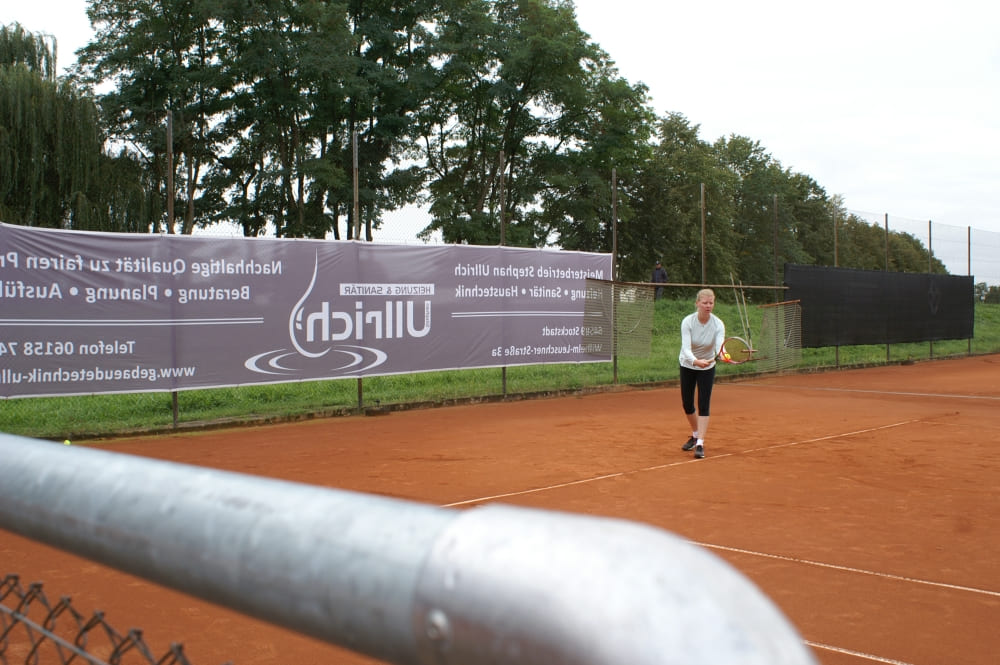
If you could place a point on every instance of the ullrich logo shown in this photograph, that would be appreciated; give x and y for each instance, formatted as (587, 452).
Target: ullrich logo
(316, 328)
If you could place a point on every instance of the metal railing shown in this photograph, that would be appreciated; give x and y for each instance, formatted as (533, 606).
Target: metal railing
(403, 582)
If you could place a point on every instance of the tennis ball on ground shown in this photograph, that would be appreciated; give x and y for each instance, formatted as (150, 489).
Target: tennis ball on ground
(67, 442)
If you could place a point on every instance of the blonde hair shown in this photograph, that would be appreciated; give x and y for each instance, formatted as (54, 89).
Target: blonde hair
(704, 293)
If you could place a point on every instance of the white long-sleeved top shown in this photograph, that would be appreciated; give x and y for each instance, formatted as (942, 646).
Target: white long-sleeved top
(701, 340)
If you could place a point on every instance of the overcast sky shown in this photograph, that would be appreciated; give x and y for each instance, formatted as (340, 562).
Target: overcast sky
(893, 106)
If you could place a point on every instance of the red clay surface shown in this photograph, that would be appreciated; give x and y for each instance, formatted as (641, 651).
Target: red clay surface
(863, 502)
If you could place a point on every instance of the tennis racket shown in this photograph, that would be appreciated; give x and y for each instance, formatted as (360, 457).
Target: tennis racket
(735, 351)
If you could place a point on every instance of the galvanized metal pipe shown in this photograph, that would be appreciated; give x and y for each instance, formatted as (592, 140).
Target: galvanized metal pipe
(403, 582)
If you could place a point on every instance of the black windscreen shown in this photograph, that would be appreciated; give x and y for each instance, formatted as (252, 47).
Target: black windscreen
(842, 306)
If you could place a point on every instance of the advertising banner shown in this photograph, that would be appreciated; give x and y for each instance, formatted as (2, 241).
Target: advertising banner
(84, 313)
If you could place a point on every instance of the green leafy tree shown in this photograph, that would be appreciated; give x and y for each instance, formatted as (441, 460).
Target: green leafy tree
(160, 57)
(864, 245)
(52, 165)
(266, 100)
(988, 294)
(520, 89)
(391, 78)
(35, 52)
(668, 219)
(277, 63)
(807, 213)
(758, 180)
(611, 134)
(308, 79)
(861, 245)
(459, 142)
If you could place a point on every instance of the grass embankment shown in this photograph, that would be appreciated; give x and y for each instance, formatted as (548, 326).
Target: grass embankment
(82, 417)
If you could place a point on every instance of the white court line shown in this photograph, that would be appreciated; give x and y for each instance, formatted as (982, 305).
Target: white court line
(848, 569)
(866, 391)
(857, 654)
(816, 645)
(619, 474)
(831, 436)
(861, 571)
(553, 487)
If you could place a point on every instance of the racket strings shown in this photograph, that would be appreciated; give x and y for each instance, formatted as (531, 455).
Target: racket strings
(735, 350)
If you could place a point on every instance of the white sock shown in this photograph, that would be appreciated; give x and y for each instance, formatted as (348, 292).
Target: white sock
(701, 442)
(694, 435)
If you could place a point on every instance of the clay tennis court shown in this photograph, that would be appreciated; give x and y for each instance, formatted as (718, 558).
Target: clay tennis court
(863, 502)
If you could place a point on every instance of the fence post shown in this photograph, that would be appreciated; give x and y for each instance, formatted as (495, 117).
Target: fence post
(930, 269)
(614, 273)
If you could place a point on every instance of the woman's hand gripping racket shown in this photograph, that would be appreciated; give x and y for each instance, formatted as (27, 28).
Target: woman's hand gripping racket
(735, 351)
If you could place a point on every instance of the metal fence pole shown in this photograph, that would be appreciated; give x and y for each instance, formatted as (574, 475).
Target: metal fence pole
(399, 581)
(614, 273)
(968, 263)
(930, 269)
(503, 242)
(887, 345)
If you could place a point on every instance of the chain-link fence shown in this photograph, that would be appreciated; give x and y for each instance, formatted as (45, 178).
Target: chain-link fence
(963, 250)
(36, 631)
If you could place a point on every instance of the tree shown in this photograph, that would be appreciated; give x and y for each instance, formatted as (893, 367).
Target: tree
(610, 133)
(32, 51)
(161, 57)
(279, 65)
(267, 98)
(391, 77)
(516, 122)
(862, 245)
(667, 223)
(987, 294)
(808, 213)
(758, 180)
(50, 139)
(459, 144)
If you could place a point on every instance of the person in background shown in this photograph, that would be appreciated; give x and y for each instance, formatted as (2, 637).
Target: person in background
(659, 277)
(702, 335)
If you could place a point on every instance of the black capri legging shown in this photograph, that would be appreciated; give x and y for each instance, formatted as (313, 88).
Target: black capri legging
(703, 379)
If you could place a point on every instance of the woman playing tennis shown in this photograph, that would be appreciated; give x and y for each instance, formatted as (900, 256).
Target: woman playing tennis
(702, 336)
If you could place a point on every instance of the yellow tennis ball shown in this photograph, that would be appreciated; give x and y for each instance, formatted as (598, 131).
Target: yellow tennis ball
(726, 356)
(67, 442)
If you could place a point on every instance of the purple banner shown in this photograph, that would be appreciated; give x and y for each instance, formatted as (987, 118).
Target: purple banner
(84, 313)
